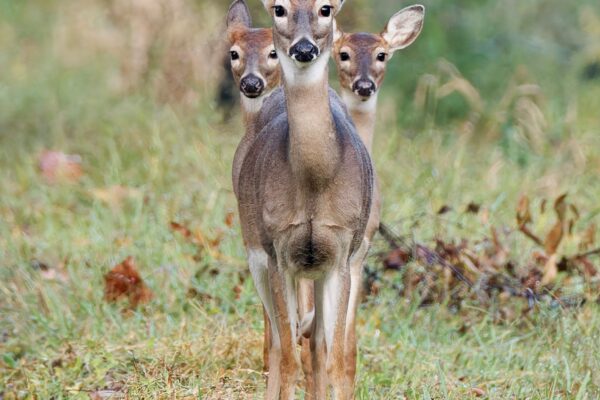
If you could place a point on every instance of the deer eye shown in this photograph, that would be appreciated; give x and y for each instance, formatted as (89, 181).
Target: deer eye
(279, 11)
(234, 55)
(325, 11)
(381, 57)
(344, 56)
(273, 55)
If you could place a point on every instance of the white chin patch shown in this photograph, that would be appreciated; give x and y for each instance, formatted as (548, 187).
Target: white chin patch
(252, 106)
(355, 102)
(296, 73)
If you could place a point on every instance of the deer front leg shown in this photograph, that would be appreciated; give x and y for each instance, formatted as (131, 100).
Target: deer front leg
(283, 359)
(329, 332)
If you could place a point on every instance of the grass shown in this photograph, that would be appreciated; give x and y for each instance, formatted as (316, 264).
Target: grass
(59, 339)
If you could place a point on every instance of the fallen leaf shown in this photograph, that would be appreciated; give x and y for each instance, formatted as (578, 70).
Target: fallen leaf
(229, 219)
(554, 238)
(473, 208)
(444, 210)
(550, 270)
(589, 238)
(478, 392)
(56, 166)
(396, 259)
(124, 280)
(523, 212)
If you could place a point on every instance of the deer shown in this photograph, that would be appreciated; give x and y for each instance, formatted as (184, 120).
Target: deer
(305, 190)
(255, 70)
(361, 60)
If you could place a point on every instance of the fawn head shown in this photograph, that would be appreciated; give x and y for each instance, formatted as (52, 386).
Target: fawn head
(254, 62)
(303, 32)
(361, 58)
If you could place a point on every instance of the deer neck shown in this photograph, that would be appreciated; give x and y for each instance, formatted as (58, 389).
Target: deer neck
(363, 114)
(314, 150)
(250, 113)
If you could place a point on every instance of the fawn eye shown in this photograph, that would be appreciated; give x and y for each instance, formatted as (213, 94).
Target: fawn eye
(381, 57)
(344, 56)
(279, 11)
(273, 55)
(325, 11)
(234, 55)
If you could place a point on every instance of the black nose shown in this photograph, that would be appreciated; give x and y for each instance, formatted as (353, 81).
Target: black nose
(364, 87)
(252, 86)
(304, 51)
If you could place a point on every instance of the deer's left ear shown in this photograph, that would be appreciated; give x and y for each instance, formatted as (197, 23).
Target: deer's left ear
(239, 14)
(337, 5)
(337, 32)
(404, 27)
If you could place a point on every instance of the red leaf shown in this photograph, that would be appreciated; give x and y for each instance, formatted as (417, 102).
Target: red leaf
(125, 281)
(56, 166)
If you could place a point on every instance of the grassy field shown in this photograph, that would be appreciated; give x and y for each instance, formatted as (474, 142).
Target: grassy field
(149, 159)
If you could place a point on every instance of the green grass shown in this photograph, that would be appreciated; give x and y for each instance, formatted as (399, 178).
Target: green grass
(60, 339)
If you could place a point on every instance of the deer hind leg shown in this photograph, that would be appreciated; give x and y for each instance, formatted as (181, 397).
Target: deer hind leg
(306, 315)
(329, 332)
(356, 267)
(283, 360)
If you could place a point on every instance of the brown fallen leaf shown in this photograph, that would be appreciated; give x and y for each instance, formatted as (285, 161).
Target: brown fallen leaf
(56, 166)
(124, 280)
(554, 238)
(589, 238)
(473, 208)
(444, 210)
(550, 270)
(229, 218)
(396, 259)
(523, 212)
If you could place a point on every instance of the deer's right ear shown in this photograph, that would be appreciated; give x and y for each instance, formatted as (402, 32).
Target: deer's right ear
(239, 14)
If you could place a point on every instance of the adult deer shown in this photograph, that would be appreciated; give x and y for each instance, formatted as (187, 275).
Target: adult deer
(304, 195)
(361, 60)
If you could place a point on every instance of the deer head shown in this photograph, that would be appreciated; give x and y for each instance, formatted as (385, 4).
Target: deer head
(254, 62)
(361, 58)
(303, 36)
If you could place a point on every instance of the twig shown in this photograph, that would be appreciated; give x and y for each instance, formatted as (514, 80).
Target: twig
(595, 252)
(525, 230)
(430, 256)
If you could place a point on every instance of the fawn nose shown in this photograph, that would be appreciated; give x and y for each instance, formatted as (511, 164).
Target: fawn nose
(252, 86)
(304, 51)
(364, 87)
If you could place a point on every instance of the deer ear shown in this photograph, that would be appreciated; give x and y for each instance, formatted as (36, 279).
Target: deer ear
(268, 4)
(337, 5)
(239, 14)
(337, 32)
(404, 27)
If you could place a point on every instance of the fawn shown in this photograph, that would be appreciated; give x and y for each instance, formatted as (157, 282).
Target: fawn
(255, 69)
(304, 194)
(361, 60)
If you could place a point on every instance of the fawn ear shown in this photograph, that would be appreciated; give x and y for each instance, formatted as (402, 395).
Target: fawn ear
(404, 27)
(239, 14)
(337, 32)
